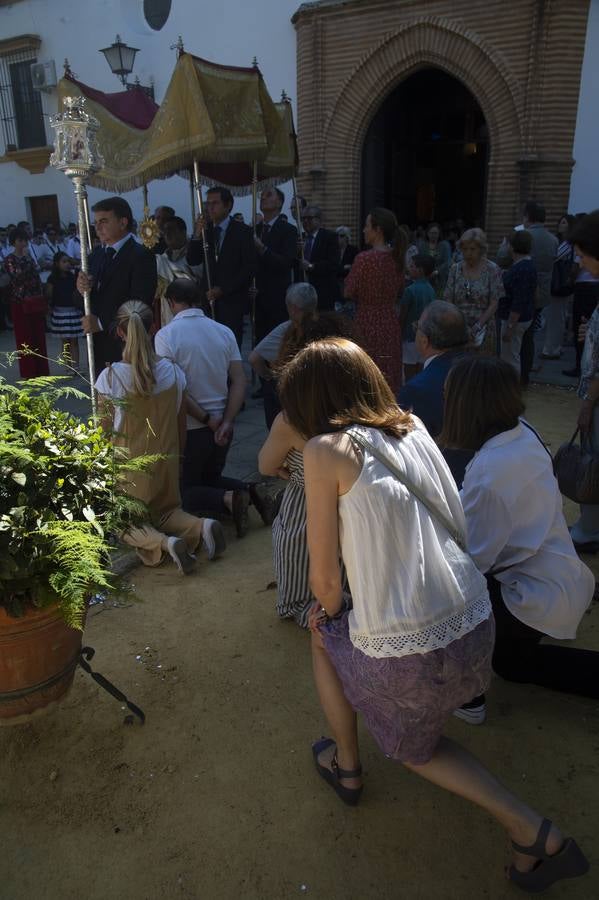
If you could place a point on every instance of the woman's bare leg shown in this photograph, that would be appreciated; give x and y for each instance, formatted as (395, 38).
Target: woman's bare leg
(455, 769)
(340, 715)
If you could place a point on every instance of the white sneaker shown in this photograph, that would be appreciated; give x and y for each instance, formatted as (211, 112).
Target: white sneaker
(177, 549)
(473, 715)
(214, 538)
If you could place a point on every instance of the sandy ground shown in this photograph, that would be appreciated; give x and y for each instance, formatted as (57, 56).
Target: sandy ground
(216, 797)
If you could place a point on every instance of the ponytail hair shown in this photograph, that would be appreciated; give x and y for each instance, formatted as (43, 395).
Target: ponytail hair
(135, 318)
(393, 234)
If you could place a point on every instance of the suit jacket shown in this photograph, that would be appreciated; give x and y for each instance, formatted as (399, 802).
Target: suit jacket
(349, 254)
(423, 394)
(274, 270)
(325, 259)
(130, 275)
(233, 269)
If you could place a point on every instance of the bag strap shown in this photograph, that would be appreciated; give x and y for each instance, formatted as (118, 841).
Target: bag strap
(435, 512)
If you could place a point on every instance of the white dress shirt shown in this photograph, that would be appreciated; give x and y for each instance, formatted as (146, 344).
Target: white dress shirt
(204, 350)
(518, 534)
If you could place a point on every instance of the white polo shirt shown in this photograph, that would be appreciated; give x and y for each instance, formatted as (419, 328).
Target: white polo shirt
(204, 350)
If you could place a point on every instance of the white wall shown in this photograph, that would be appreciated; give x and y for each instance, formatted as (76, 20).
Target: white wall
(584, 187)
(226, 31)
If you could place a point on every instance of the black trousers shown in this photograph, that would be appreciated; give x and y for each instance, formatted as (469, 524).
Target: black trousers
(203, 485)
(586, 296)
(230, 311)
(520, 656)
(527, 351)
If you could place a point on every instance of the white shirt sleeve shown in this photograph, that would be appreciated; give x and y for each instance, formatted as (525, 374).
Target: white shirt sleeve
(161, 345)
(102, 385)
(488, 522)
(268, 348)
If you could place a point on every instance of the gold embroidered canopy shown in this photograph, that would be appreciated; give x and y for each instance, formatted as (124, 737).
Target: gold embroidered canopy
(221, 116)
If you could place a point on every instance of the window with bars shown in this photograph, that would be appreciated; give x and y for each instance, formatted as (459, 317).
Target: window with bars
(21, 110)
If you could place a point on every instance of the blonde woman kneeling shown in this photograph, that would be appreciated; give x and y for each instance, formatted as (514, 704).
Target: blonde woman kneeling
(149, 417)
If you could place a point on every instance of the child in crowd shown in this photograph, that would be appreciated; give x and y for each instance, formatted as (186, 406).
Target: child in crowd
(415, 298)
(65, 306)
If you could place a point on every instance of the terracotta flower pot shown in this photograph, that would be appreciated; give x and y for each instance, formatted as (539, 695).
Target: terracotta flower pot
(38, 657)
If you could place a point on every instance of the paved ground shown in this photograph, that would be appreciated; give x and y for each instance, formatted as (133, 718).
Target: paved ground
(216, 797)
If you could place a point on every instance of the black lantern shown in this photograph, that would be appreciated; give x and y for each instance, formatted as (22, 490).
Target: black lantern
(120, 58)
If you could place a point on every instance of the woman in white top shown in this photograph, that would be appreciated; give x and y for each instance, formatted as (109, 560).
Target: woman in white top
(142, 403)
(420, 635)
(517, 534)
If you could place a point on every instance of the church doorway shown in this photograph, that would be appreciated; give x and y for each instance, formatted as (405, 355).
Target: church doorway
(426, 151)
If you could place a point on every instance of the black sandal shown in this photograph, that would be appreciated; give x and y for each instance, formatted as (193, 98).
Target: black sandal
(332, 776)
(568, 862)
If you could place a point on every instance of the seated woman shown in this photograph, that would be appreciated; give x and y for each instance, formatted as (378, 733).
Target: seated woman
(420, 634)
(517, 534)
(281, 455)
(142, 401)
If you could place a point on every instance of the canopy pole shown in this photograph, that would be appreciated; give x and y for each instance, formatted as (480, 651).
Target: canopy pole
(198, 193)
(298, 219)
(192, 198)
(81, 198)
(254, 289)
(145, 192)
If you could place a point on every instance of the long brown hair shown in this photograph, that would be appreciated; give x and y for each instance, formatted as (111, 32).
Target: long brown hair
(482, 398)
(313, 326)
(393, 234)
(333, 383)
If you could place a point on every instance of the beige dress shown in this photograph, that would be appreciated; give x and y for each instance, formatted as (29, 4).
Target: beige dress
(149, 426)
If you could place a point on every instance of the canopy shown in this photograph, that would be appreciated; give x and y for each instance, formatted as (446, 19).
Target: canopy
(221, 116)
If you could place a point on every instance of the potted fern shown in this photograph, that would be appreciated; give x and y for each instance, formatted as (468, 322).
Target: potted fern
(60, 500)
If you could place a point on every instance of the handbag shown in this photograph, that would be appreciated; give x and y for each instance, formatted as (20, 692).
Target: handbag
(436, 513)
(577, 472)
(36, 305)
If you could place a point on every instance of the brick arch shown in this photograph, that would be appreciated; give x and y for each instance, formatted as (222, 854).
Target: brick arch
(425, 42)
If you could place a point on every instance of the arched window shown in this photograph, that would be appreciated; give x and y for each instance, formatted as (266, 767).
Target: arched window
(156, 13)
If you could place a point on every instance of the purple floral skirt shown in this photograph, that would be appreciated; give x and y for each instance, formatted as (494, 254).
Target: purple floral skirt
(406, 700)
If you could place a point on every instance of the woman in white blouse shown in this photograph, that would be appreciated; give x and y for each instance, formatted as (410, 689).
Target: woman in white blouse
(420, 635)
(517, 534)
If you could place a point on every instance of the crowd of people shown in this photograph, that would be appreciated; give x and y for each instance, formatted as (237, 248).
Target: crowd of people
(420, 537)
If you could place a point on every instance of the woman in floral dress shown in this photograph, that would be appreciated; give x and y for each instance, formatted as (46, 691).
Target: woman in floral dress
(375, 283)
(475, 285)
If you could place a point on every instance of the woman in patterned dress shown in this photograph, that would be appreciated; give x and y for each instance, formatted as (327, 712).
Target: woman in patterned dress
(281, 456)
(375, 283)
(475, 285)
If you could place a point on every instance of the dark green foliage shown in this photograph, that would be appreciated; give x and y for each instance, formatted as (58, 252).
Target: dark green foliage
(60, 499)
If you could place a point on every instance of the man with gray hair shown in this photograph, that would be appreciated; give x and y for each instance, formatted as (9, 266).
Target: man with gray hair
(441, 336)
(302, 301)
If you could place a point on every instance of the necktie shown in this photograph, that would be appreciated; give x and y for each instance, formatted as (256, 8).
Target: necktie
(265, 232)
(108, 256)
(217, 234)
(308, 247)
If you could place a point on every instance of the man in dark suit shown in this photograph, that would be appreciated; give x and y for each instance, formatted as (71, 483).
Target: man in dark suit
(347, 251)
(276, 245)
(321, 258)
(231, 257)
(441, 336)
(119, 270)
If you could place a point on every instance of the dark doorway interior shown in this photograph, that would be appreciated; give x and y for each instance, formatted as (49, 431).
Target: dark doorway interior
(425, 153)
